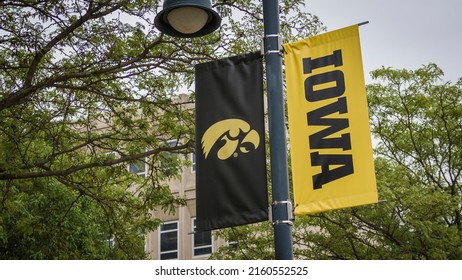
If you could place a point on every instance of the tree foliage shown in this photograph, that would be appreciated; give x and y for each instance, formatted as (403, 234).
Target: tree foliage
(88, 88)
(416, 121)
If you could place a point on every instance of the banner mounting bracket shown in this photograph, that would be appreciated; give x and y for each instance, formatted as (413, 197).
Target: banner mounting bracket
(265, 44)
(289, 210)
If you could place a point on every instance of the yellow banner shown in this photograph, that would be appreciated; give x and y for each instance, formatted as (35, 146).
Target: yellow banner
(330, 142)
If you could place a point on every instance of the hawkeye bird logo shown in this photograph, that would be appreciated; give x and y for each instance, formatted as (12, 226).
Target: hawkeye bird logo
(233, 135)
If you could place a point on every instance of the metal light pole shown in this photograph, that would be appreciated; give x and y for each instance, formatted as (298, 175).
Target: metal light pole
(281, 205)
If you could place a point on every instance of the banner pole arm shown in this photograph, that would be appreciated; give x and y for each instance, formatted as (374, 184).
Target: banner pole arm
(277, 132)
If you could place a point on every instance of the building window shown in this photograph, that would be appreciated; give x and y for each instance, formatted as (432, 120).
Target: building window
(168, 239)
(193, 162)
(111, 241)
(138, 167)
(202, 242)
(169, 160)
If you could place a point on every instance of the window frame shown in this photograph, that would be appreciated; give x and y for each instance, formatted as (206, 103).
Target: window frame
(194, 247)
(163, 233)
(169, 156)
(193, 162)
(142, 173)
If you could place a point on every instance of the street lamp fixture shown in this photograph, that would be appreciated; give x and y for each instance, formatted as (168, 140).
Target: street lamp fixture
(187, 18)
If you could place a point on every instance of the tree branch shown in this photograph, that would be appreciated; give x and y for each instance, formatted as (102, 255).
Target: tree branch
(70, 170)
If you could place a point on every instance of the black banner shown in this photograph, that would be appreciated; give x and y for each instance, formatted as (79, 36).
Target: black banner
(231, 187)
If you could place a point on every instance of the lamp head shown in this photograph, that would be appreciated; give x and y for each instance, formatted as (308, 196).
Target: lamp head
(187, 18)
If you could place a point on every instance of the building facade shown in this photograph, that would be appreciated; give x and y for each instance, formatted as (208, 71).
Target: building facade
(176, 237)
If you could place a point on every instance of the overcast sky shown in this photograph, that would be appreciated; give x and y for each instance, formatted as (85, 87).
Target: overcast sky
(401, 33)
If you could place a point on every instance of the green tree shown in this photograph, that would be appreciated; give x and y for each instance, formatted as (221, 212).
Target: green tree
(87, 90)
(415, 117)
(416, 121)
